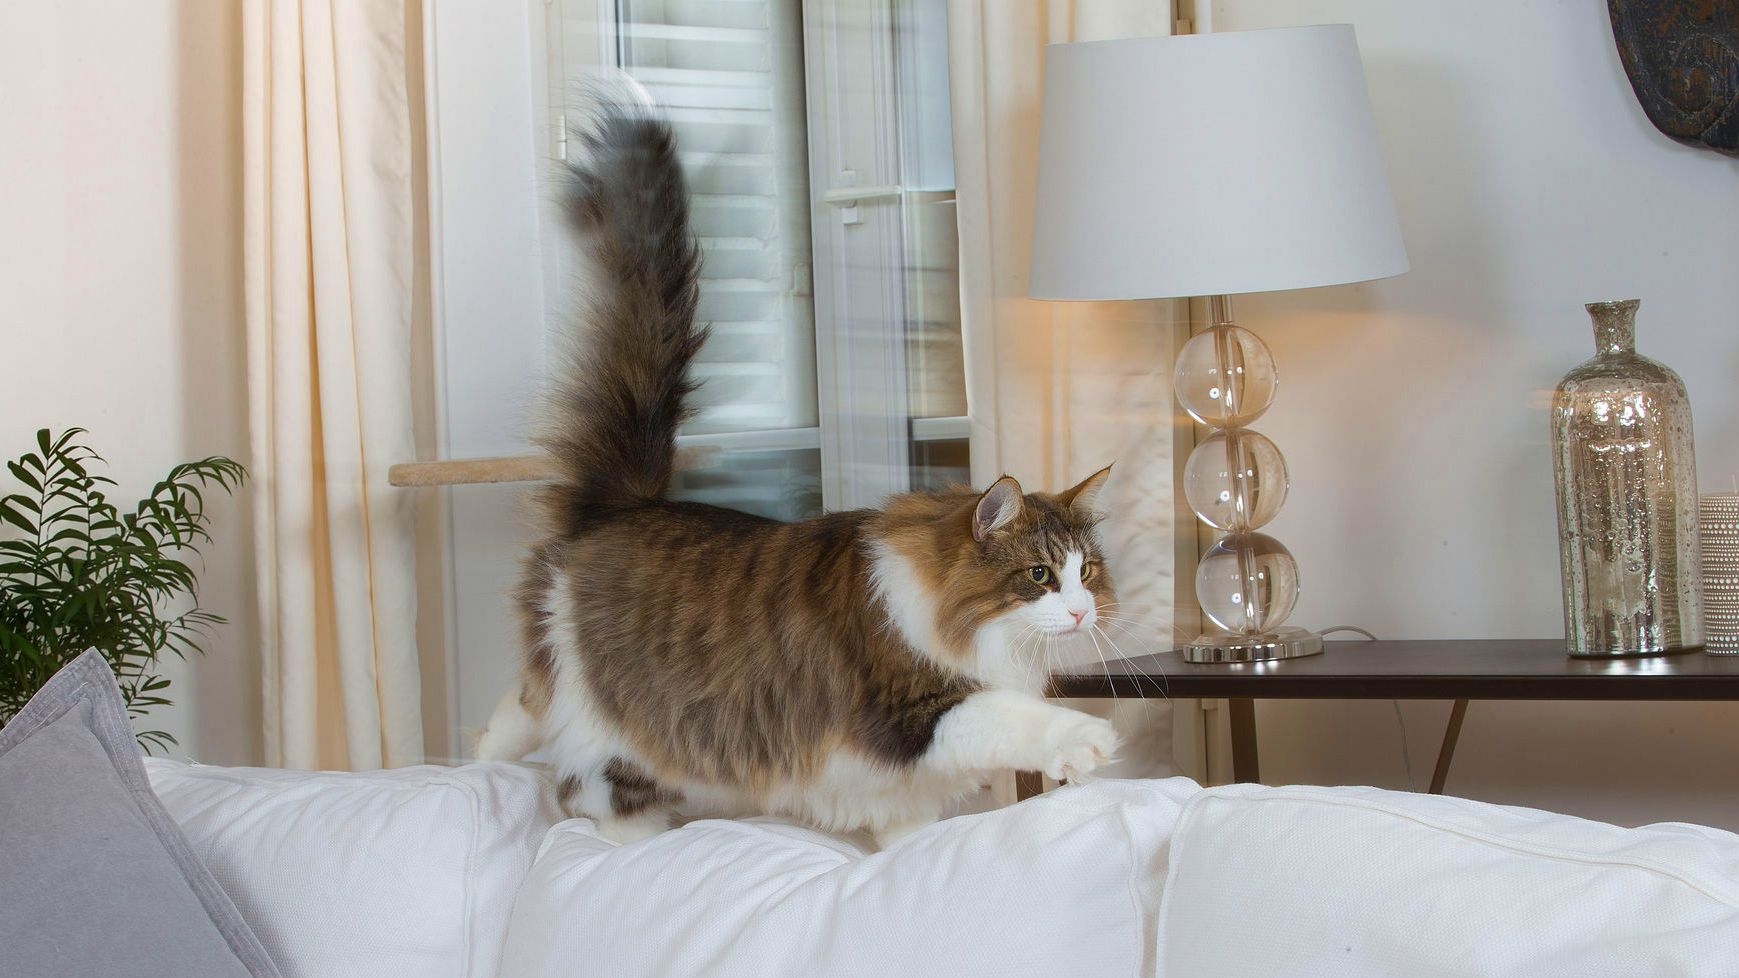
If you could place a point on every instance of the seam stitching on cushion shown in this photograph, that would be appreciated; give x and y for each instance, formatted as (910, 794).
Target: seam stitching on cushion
(472, 859)
(1714, 892)
(1133, 889)
(351, 781)
(324, 778)
(78, 693)
(1184, 817)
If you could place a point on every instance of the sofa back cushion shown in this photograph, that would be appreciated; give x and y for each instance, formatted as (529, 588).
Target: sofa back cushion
(403, 872)
(1357, 881)
(1065, 884)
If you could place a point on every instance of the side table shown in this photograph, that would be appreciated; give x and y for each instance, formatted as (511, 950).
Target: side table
(1459, 670)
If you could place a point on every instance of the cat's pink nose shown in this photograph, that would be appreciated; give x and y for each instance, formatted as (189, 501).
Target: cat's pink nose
(1078, 615)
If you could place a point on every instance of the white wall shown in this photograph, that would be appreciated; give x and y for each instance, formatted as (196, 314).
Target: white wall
(120, 272)
(486, 71)
(1413, 411)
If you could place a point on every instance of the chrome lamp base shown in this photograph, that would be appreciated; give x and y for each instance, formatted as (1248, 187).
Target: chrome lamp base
(1281, 643)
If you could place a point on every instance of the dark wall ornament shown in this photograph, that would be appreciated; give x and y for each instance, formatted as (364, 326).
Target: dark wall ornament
(1682, 57)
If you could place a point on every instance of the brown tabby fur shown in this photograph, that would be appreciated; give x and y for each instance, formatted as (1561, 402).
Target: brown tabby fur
(723, 648)
(736, 650)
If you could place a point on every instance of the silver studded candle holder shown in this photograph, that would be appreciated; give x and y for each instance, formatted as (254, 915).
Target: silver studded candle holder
(1718, 526)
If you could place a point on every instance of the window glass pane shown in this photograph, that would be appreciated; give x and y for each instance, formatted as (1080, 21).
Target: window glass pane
(939, 465)
(935, 368)
(783, 485)
(730, 78)
(936, 377)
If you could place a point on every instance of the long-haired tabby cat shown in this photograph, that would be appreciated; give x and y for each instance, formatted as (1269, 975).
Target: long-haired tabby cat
(858, 670)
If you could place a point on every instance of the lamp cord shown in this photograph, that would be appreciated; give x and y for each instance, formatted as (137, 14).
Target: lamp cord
(1346, 628)
(1400, 720)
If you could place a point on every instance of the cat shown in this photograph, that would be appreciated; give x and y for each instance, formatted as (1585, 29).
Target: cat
(857, 670)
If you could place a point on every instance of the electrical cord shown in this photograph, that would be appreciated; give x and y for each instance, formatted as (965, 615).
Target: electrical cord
(1346, 628)
(1400, 720)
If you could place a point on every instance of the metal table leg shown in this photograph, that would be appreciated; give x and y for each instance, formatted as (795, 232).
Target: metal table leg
(1446, 753)
(1245, 769)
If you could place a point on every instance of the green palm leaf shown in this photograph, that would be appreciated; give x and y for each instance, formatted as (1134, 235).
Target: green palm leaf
(76, 572)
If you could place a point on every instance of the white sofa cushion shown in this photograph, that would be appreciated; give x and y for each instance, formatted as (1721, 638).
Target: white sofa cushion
(1064, 884)
(409, 872)
(1356, 881)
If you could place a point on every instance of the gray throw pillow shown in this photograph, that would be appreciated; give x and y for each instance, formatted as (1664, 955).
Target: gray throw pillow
(95, 878)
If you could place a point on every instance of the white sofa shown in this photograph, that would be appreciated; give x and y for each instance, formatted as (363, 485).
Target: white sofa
(469, 872)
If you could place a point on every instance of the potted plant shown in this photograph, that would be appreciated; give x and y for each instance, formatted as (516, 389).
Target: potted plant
(76, 572)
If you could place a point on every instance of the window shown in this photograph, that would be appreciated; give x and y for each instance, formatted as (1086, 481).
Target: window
(818, 153)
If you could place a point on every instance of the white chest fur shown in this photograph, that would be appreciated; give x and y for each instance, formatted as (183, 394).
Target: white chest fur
(1006, 654)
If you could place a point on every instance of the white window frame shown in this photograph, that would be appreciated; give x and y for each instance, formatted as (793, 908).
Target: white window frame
(484, 87)
(859, 242)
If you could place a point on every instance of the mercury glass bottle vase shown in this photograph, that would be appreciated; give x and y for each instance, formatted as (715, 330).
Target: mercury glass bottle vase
(1627, 499)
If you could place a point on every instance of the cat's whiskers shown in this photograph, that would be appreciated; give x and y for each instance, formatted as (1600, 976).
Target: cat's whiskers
(1164, 684)
(1114, 646)
(1108, 610)
(1178, 633)
(1131, 623)
(1041, 657)
(1128, 626)
(1094, 634)
(1129, 631)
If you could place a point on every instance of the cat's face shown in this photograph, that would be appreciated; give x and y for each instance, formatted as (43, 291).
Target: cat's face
(951, 565)
(1040, 557)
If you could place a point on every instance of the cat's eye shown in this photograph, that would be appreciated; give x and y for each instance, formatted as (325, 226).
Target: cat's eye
(1040, 574)
(1086, 573)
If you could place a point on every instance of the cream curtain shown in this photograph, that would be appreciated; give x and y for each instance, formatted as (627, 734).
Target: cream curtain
(329, 252)
(1056, 390)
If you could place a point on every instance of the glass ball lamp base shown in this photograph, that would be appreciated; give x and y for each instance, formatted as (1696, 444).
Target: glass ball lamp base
(1235, 481)
(1281, 643)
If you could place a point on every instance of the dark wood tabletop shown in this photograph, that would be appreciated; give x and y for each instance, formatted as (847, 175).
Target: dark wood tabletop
(1525, 669)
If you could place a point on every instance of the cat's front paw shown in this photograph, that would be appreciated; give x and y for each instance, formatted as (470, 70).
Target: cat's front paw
(1077, 744)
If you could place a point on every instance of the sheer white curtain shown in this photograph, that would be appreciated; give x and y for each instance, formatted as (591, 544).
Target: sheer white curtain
(1056, 390)
(329, 279)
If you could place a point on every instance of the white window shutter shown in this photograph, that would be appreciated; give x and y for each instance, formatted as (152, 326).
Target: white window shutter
(730, 76)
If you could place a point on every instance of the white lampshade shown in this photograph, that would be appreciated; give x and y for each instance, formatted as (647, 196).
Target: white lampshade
(1210, 164)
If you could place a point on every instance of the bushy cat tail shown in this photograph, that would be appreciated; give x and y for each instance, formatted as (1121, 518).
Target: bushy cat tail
(623, 390)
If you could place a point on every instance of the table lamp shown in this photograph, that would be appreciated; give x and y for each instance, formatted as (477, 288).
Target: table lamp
(1211, 165)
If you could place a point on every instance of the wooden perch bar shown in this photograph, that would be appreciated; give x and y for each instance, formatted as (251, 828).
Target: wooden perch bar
(514, 468)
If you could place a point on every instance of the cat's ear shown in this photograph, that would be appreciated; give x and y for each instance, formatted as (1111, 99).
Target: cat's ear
(1083, 500)
(999, 504)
